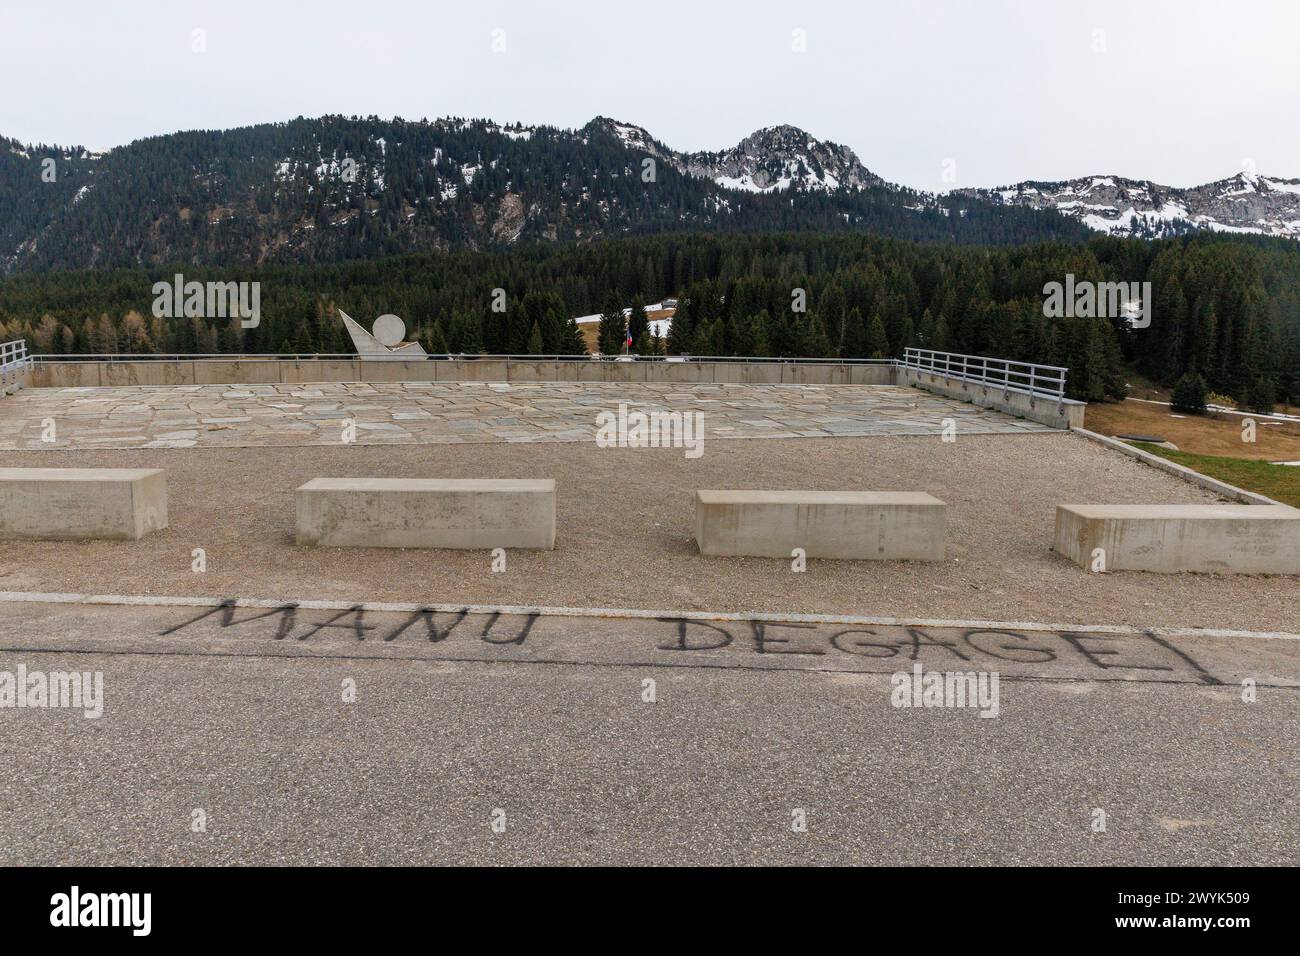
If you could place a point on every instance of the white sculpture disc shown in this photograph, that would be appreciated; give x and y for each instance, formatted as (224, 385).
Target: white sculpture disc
(390, 330)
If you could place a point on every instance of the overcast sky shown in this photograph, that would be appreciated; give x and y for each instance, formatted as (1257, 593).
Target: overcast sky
(1179, 91)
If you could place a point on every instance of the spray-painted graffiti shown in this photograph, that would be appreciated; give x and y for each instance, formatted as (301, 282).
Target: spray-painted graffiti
(715, 642)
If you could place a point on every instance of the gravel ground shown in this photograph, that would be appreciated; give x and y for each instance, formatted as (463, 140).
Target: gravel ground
(625, 533)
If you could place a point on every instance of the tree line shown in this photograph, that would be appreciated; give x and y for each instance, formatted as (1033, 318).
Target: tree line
(1224, 307)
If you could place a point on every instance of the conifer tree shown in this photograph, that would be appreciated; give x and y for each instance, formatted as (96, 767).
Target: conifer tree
(434, 341)
(855, 335)
(571, 340)
(638, 325)
(942, 336)
(877, 344)
(1189, 394)
(471, 337)
(613, 330)
(681, 330)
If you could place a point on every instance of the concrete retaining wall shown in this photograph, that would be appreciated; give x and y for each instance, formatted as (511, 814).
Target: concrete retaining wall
(60, 504)
(1229, 539)
(237, 371)
(426, 513)
(880, 525)
(13, 379)
(1065, 414)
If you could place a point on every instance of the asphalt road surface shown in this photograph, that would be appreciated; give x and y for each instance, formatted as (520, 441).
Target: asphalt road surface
(261, 735)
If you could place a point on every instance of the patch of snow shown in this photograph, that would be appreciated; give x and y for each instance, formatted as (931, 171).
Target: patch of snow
(1216, 226)
(1282, 185)
(743, 183)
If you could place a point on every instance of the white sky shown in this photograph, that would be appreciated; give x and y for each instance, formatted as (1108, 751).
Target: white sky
(1185, 91)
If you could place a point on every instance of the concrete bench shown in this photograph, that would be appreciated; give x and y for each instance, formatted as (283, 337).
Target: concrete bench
(881, 525)
(81, 503)
(426, 513)
(1169, 538)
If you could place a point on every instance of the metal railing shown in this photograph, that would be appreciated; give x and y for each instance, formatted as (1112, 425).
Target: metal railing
(1025, 378)
(13, 360)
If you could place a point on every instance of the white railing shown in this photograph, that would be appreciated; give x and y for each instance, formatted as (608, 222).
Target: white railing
(1025, 378)
(13, 360)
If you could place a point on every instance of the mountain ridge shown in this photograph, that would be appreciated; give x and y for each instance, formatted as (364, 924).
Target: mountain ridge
(1116, 205)
(335, 188)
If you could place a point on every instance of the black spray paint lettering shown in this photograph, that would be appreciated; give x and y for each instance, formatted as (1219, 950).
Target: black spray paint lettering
(763, 642)
(358, 613)
(354, 619)
(429, 615)
(1046, 653)
(919, 639)
(287, 613)
(1095, 655)
(1206, 677)
(838, 641)
(519, 638)
(684, 645)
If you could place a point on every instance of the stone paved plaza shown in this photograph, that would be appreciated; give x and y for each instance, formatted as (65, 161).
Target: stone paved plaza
(187, 416)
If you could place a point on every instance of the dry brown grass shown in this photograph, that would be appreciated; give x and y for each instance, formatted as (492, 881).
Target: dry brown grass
(1199, 434)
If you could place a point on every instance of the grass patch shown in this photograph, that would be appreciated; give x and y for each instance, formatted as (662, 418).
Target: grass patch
(1279, 482)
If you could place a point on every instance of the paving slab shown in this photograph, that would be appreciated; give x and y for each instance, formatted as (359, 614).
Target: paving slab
(433, 413)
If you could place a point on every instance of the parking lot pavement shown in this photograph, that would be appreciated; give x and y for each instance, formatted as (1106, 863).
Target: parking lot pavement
(256, 735)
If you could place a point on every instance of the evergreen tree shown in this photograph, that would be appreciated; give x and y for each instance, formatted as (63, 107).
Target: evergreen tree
(433, 340)
(229, 342)
(571, 340)
(877, 343)
(471, 338)
(521, 316)
(681, 330)
(1261, 397)
(816, 343)
(638, 325)
(855, 335)
(613, 330)
(942, 335)
(925, 330)
(1189, 394)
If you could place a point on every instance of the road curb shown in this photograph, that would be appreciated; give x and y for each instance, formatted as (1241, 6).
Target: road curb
(1179, 471)
(129, 600)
